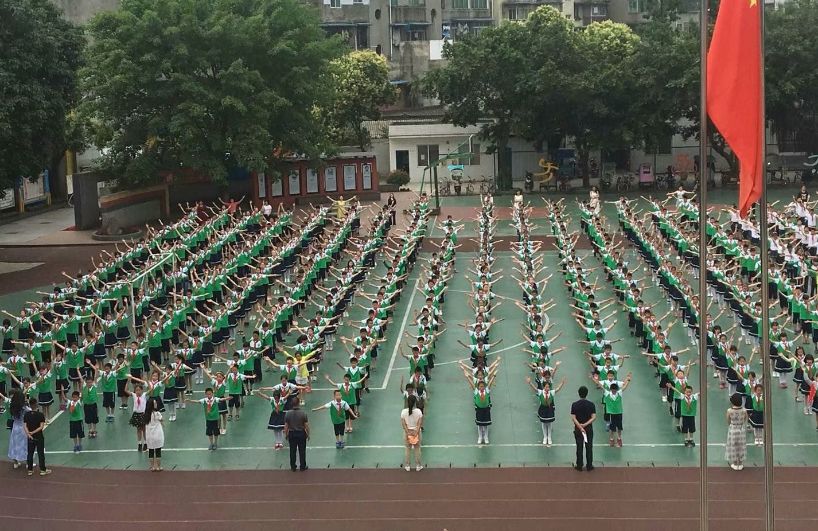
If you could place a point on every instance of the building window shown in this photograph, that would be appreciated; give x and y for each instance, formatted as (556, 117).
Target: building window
(427, 154)
(479, 4)
(634, 6)
(474, 159)
(412, 34)
(335, 3)
(518, 13)
(665, 146)
(460, 4)
(357, 1)
(599, 11)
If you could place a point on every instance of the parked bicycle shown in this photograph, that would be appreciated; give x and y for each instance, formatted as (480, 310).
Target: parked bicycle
(661, 182)
(624, 182)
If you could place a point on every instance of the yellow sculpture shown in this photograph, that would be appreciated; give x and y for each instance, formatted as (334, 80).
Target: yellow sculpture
(548, 173)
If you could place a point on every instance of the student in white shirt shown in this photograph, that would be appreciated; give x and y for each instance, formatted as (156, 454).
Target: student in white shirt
(411, 419)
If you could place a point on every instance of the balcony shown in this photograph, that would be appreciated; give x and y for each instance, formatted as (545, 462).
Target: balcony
(349, 14)
(554, 3)
(408, 14)
(466, 14)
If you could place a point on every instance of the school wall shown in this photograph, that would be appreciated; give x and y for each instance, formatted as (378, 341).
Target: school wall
(682, 153)
(448, 138)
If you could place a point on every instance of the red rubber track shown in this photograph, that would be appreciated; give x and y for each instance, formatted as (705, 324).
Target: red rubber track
(480, 499)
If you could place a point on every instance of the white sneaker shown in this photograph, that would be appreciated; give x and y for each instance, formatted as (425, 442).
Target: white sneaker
(479, 440)
(407, 468)
(740, 467)
(545, 440)
(183, 406)
(418, 468)
(550, 442)
(486, 440)
(734, 467)
(664, 399)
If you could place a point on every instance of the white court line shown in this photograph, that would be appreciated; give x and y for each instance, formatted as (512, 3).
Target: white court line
(400, 336)
(400, 446)
(54, 418)
(434, 226)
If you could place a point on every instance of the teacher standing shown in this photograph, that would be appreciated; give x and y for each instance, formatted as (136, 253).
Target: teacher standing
(583, 414)
(297, 431)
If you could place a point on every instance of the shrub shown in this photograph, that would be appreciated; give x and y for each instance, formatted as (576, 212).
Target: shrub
(398, 178)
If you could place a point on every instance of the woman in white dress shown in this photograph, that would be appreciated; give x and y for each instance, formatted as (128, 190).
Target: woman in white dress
(154, 435)
(594, 202)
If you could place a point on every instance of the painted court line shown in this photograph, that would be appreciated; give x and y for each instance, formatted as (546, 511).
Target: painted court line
(400, 336)
(54, 418)
(400, 446)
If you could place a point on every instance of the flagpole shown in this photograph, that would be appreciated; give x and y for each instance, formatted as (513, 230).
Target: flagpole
(769, 499)
(703, 23)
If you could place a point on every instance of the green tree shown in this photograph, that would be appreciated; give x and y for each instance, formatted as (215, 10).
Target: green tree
(553, 63)
(40, 52)
(604, 99)
(791, 75)
(360, 82)
(205, 85)
(484, 82)
(667, 80)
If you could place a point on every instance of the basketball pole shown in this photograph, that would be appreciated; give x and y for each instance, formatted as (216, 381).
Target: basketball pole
(769, 500)
(703, 23)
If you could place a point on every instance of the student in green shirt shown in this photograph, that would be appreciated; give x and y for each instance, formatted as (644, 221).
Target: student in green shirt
(75, 415)
(210, 406)
(689, 407)
(108, 378)
(349, 394)
(612, 398)
(339, 412)
(60, 368)
(90, 396)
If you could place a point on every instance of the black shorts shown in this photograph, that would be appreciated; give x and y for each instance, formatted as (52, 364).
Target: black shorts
(108, 399)
(235, 401)
(120, 388)
(688, 424)
(75, 430)
(63, 384)
(339, 428)
(155, 354)
(73, 374)
(616, 421)
(211, 427)
(91, 413)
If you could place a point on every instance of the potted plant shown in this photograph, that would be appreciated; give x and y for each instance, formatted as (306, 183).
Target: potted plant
(398, 178)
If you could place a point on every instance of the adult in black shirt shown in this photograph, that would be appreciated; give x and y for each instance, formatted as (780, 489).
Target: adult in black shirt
(391, 203)
(583, 414)
(34, 424)
(297, 431)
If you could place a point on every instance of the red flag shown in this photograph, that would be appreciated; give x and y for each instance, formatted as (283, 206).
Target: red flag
(734, 70)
